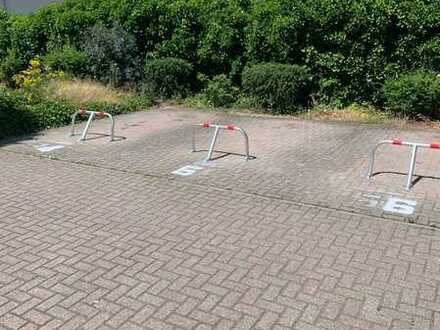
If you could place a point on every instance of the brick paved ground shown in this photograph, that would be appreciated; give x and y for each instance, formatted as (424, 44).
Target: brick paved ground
(100, 235)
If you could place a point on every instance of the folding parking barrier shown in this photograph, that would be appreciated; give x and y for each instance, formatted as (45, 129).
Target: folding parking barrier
(214, 137)
(398, 142)
(92, 115)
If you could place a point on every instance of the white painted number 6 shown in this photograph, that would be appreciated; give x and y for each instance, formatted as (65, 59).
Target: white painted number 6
(402, 206)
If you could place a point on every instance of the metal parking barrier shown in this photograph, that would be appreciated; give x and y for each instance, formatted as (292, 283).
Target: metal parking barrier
(215, 136)
(92, 116)
(412, 165)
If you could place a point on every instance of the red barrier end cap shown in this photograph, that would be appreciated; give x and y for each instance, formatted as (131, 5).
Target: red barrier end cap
(435, 145)
(101, 114)
(397, 142)
(230, 127)
(206, 125)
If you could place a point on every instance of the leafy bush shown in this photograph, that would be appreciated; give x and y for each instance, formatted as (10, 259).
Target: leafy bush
(356, 44)
(14, 117)
(351, 47)
(220, 92)
(112, 54)
(178, 30)
(31, 79)
(279, 87)
(27, 36)
(67, 59)
(414, 94)
(48, 113)
(4, 34)
(221, 48)
(169, 77)
(20, 115)
(11, 65)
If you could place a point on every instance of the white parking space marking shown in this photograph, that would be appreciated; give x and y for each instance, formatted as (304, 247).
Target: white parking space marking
(49, 147)
(187, 170)
(401, 206)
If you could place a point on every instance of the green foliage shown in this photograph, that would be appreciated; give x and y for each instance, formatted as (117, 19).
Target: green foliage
(220, 92)
(179, 28)
(414, 94)
(67, 59)
(221, 47)
(47, 113)
(14, 117)
(30, 80)
(4, 34)
(169, 77)
(11, 65)
(20, 114)
(279, 87)
(27, 36)
(112, 54)
(430, 54)
(355, 45)
(350, 47)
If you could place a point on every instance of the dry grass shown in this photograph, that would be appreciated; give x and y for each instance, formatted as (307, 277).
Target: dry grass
(354, 113)
(82, 91)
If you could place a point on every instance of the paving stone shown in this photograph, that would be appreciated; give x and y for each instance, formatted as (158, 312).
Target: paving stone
(99, 235)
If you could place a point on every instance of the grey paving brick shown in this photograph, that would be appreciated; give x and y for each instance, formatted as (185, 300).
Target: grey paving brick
(104, 236)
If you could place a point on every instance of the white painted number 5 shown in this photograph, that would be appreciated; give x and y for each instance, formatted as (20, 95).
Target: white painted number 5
(187, 170)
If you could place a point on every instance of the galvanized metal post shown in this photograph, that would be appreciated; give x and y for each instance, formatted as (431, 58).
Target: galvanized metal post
(88, 125)
(213, 141)
(72, 130)
(193, 139)
(246, 142)
(112, 127)
(412, 166)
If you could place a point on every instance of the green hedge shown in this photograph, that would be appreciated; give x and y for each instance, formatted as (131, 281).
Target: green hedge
(169, 77)
(14, 116)
(220, 92)
(68, 60)
(279, 87)
(414, 94)
(351, 47)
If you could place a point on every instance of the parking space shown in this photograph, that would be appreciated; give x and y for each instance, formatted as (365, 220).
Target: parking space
(309, 162)
(113, 236)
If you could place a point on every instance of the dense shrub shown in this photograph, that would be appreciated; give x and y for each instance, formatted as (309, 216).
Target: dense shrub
(279, 87)
(31, 79)
(27, 36)
(179, 28)
(67, 59)
(11, 65)
(414, 94)
(221, 47)
(356, 45)
(220, 92)
(4, 34)
(112, 54)
(350, 47)
(20, 115)
(48, 113)
(14, 117)
(169, 76)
